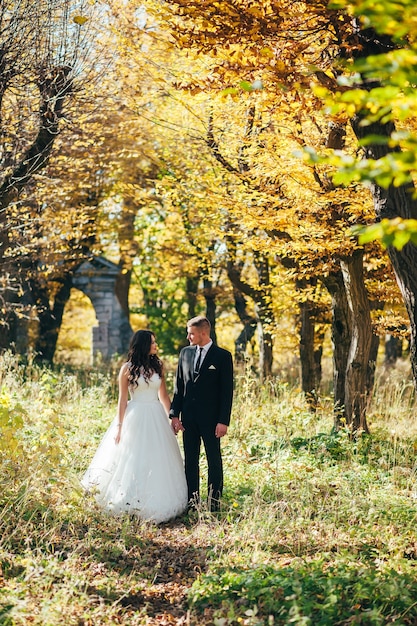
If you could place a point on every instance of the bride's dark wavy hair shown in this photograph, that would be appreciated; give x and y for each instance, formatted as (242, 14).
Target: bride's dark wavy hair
(139, 359)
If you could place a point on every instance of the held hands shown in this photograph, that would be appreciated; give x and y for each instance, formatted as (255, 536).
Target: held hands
(176, 425)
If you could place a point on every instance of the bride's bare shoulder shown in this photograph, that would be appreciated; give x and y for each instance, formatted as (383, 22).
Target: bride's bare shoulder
(124, 370)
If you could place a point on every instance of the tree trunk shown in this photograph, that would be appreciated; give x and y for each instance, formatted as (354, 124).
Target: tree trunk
(128, 249)
(265, 315)
(50, 320)
(260, 295)
(308, 365)
(357, 366)
(393, 350)
(249, 326)
(319, 334)
(210, 297)
(191, 295)
(373, 354)
(390, 203)
(341, 340)
(12, 310)
(370, 378)
(265, 343)
(263, 306)
(53, 89)
(34, 316)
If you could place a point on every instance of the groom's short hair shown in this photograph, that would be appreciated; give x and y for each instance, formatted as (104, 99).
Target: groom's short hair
(200, 322)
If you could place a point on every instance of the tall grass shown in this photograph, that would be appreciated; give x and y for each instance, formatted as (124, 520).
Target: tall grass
(315, 528)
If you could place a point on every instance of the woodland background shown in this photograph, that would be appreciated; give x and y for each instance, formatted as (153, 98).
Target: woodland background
(253, 161)
(217, 153)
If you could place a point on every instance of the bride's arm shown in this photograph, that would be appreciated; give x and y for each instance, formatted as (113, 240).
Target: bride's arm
(163, 395)
(123, 397)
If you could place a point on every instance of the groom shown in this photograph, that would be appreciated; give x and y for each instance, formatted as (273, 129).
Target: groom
(201, 407)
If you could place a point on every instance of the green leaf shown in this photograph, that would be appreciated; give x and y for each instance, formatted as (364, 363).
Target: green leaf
(245, 85)
(378, 140)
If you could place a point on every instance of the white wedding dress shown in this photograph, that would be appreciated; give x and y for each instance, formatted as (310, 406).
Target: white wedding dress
(144, 473)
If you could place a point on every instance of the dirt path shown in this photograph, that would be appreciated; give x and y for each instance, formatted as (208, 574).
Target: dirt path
(171, 558)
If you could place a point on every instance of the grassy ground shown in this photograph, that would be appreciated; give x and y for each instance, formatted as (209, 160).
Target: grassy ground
(315, 528)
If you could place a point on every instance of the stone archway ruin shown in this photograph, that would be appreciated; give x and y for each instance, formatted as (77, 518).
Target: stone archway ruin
(97, 279)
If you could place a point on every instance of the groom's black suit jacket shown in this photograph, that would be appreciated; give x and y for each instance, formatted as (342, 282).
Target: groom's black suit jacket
(208, 398)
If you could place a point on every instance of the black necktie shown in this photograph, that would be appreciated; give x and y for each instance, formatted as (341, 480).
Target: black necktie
(198, 362)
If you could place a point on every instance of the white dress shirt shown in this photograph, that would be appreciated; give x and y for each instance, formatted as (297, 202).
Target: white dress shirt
(204, 350)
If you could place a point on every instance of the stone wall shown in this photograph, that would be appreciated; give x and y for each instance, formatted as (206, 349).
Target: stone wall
(97, 278)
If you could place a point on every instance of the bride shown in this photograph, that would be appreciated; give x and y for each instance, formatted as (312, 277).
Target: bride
(138, 466)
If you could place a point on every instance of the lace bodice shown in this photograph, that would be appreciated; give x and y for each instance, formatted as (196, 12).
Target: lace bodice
(146, 390)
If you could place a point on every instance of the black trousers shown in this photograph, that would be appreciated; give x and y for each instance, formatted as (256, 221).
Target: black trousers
(193, 434)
